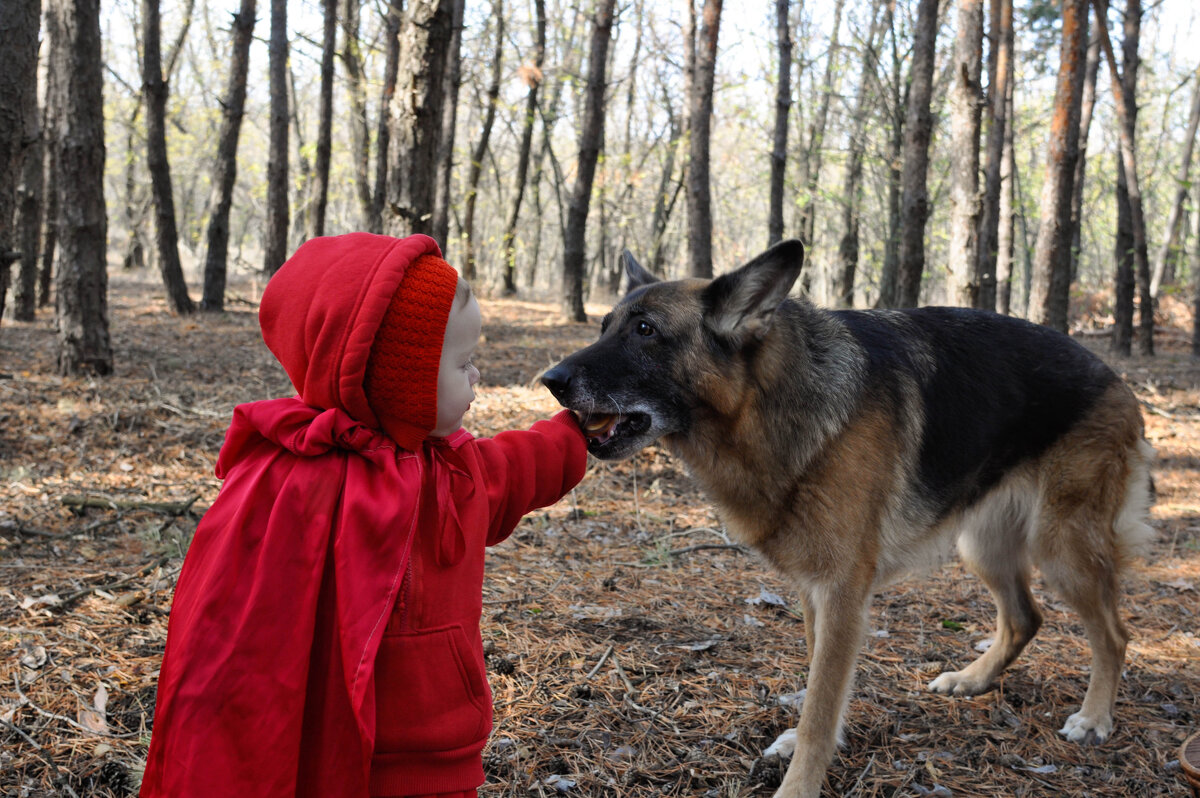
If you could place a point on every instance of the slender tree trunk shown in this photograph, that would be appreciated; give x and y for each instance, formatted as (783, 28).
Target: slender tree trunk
(1181, 184)
(1125, 96)
(1085, 126)
(1006, 233)
(416, 118)
(166, 237)
(852, 191)
(305, 195)
(81, 312)
(1049, 298)
(810, 164)
(225, 168)
(360, 134)
(899, 92)
(590, 141)
(276, 243)
(50, 156)
(533, 78)
(1195, 265)
(783, 109)
(18, 89)
(27, 227)
(391, 23)
(481, 147)
(963, 290)
(442, 203)
(325, 124)
(700, 118)
(999, 58)
(665, 197)
(918, 129)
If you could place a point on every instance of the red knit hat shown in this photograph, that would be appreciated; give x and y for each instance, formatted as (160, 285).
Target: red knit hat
(402, 369)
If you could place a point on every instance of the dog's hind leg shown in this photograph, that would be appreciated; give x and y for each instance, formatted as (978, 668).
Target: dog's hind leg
(994, 547)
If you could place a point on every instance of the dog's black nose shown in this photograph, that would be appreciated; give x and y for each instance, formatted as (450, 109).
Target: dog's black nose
(557, 379)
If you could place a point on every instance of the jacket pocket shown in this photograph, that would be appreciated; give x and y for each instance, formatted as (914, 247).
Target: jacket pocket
(430, 693)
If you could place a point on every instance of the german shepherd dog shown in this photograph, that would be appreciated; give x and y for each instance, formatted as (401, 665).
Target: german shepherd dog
(853, 447)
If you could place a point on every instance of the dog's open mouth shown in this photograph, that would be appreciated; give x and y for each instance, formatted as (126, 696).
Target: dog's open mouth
(600, 428)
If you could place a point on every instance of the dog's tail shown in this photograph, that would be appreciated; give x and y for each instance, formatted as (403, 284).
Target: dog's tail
(1133, 534)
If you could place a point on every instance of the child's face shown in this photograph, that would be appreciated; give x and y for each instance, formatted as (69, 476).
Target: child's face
(457, 376)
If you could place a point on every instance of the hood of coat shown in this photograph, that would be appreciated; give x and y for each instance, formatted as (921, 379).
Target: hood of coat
(321, 310)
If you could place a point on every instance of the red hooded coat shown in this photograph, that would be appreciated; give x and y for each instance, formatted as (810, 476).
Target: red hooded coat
(324, 637)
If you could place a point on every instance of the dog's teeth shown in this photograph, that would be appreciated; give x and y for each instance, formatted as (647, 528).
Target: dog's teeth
(599, 426)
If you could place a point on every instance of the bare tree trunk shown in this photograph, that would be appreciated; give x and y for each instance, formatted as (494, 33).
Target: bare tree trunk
(1195, 265)
(1049, 297)
(665, 198)
(918, 128)
(963, 290)
(1181, 183)
(533, 78)
(416, 118)
(27, 227)
(591, 139)
(1085, 126)
(360, 134)
(305, 199)
(700, 130)
(225, 168)
(481, 147)
(999, 60)
(166, 237)
(783, 109)
(18, 81)
(50, 156)
(391, 22)
(810, 162)
(1006, 233)
(325, 124)
(899, 92)
(81, 312)
(276, 243)
(442, 203)
(1124, 91)
(852, 192)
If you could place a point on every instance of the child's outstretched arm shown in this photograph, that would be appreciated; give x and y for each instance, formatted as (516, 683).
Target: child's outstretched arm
(529, 469)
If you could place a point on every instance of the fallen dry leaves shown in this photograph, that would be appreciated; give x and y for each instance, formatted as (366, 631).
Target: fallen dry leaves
(632, 650)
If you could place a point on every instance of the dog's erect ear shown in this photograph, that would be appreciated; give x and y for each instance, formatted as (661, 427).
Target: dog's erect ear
(637, 275)
(742, 302)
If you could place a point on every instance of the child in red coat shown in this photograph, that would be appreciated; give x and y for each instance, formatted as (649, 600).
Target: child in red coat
(324, 638)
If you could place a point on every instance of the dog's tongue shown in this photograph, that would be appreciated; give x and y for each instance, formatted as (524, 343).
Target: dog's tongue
(599, 426)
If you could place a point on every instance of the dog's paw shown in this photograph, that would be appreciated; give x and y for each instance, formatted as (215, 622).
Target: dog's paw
(1081, 728)
(957, 683)
(783, 747)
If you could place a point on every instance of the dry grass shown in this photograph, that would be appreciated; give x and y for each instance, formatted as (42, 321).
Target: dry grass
(629, 650)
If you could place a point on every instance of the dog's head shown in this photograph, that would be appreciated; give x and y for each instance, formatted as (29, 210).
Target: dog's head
(671, 350)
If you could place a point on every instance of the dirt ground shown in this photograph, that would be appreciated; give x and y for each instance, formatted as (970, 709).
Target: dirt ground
(631, 650)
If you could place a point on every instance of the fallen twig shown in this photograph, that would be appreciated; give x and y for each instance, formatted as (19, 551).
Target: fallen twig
(87, 500)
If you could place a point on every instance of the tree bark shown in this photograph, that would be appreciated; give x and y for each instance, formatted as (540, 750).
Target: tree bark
(1085, 126)
(533, 78)
(591, 139)
(442, 202)
(18, 90)
(391, 23)
(1049, 298)
(225, 169)
(276, 243)
(1195, 265)
(999, 61)
(918, 129)
(1006, 234)
(81, 312)
(700, 135)
(1125, 96)
(810, 162)
(325, 125)
(783, 109)
(360, 134)
(416, 117)
(1181, 189)
(166, 237)
(899, 96)
(50, 158)
(963, 288)
(27, 227)
(481, 147)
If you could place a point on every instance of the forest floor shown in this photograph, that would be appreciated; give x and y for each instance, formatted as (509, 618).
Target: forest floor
(626, 657)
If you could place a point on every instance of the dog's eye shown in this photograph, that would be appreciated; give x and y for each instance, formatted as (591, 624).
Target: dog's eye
(645, 329)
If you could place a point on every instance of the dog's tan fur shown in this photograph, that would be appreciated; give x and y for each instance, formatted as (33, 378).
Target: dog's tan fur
(834, 500)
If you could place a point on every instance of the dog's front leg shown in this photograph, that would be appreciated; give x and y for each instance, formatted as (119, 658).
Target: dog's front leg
(835, 635)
